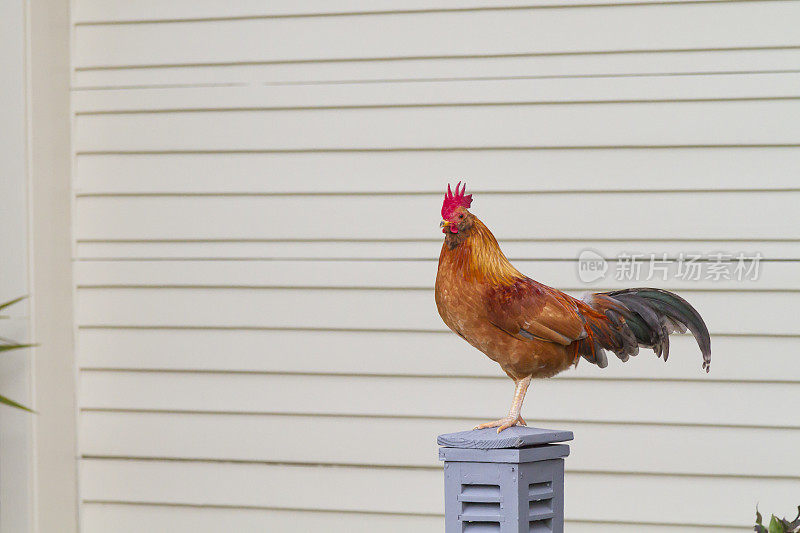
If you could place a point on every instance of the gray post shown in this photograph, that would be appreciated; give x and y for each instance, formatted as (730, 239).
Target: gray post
(504, 483)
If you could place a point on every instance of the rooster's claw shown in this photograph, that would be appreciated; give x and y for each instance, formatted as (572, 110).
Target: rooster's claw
(503, 423)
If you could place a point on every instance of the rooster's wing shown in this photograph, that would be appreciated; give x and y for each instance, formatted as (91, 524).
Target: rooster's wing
(530, 310)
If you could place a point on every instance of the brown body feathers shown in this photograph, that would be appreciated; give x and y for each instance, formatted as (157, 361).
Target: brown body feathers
(531, 329)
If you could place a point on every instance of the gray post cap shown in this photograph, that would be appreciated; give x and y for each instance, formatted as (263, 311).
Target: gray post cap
(513, 437)
(518, 444)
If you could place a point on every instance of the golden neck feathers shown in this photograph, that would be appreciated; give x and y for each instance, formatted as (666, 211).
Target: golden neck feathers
(477, 256)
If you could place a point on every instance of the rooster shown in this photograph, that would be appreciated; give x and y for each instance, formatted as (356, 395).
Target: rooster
(534, 331)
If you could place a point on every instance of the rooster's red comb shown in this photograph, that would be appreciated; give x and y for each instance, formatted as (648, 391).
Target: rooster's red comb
(453, 201)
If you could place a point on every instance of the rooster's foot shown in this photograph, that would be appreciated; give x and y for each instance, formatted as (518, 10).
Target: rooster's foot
(503, 423)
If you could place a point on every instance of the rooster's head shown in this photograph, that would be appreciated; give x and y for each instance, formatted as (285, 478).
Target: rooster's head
(455, 216)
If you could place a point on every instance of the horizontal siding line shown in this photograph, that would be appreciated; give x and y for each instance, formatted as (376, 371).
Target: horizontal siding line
(192, 194)
(385, 288)
(233, 287)
(521, 103)
(415, 467)
(263, 328)
(436, 149)
(314, 415)
(371, 513)
(361, 259)
(442, 331)
(632, 3)
(312, 259)
(328, 374)
(296, 287)
(425, 417)
(432, 239)
(375, 513)
(379, 466)
(417, 58)
(538, 421)
(247, 508)
(371, 466)
(309, 288)
(647, 524)
(512, 258)
(562, 377)
(76, 89)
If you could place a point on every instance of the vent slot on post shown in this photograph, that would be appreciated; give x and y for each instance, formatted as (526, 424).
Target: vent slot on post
(481, 527)
(480, 493)
(541, 526)
(540, 491)
(480, 512)
(542, 509)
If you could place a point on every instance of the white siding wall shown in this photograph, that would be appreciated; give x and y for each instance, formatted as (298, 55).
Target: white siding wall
(257, 195)
(15, 367)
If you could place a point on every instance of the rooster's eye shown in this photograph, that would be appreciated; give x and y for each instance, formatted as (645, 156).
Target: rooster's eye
(461, 216)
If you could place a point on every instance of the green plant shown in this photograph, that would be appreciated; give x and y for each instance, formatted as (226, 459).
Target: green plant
(8, 345)
(778, 525)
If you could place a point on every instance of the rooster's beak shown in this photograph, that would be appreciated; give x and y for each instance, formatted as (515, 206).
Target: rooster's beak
(444, 224)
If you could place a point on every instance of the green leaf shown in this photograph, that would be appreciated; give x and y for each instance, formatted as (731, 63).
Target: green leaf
(775, 526)
(12, 403)
(8, 347)
(12, 302)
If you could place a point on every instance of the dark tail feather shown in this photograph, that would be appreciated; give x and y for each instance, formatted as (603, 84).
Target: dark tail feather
(649, 315)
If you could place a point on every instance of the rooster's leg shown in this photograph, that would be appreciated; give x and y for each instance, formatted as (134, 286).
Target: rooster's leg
(513, 418)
